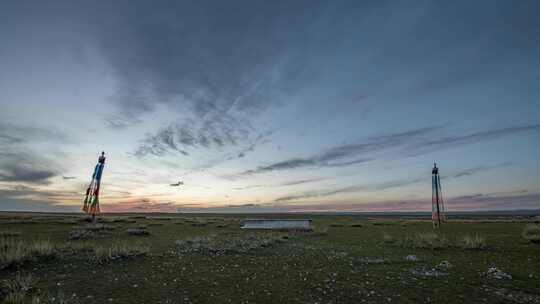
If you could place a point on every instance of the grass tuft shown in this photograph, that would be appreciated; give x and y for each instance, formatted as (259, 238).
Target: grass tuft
(13, 253)
(473, 242)
(532, 233)
(387, 238)
(18, 289)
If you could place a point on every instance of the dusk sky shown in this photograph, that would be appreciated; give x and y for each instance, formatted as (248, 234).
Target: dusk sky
(264, 106)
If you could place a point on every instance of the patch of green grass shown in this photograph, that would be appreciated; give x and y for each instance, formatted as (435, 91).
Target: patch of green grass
(9, 233)
(224, 265)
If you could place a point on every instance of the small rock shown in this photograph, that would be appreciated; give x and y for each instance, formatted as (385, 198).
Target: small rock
(411, 258)
(497, 273)
(444, 265)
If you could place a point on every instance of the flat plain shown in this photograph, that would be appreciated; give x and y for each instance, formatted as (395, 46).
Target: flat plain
(207, 258)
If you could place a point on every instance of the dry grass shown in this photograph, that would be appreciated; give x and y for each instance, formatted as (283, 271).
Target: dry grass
(473, 242)
(532, 233)
(42, 248)
(14, 252)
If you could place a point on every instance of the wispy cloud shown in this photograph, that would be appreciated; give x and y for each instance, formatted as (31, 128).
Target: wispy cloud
(350, 189)
(215, 133)
(446, 142)
(479, 169)
(285, 184)
(385, 185)
(139, 205)
(349, 154)
(413, 142)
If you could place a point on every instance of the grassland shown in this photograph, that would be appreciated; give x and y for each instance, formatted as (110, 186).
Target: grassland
(209, 259)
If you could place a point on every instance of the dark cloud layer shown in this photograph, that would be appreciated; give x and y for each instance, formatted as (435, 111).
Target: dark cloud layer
(203, 57)
(18, 173)
(19, 163)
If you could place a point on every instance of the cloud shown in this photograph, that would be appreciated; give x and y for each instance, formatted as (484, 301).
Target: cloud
(351, 189)
(13, 134)
(476, 137)
(24, 198)
(239, 62)
(479, 169)
(413, 142)
(21, 173)
(341, 155)
(139, 205)
(18, 161)
(216, 133)
(302, 181)
(285, 184)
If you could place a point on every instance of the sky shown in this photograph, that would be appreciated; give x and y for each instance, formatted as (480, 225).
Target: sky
(270, 106)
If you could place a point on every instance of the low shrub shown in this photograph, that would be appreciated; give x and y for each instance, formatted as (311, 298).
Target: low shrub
(199, 224)
(532, 233)
(81, 234)
(427, 240)
(89, 231)
(216, 245)
(336, 225)
(118, 251)
(137, 231)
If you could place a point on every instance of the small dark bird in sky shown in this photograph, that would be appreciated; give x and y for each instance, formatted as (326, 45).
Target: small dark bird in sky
(177, 184)
(68, 177)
